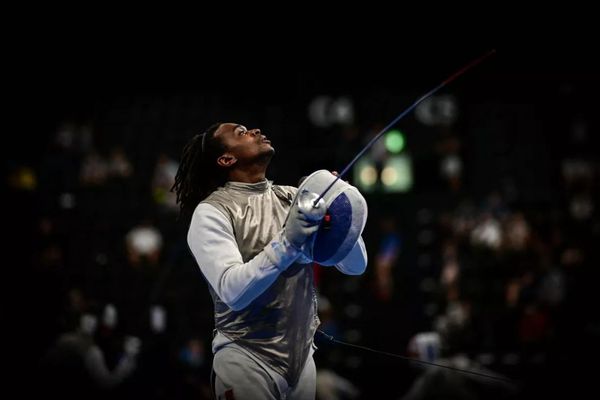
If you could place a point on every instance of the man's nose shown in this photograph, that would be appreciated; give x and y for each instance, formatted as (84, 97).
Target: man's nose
(255, 132)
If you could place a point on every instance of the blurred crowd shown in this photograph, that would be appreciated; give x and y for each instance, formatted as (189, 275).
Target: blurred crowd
(493, 273)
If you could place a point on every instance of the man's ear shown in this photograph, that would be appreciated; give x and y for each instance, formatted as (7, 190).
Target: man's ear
(226, 160)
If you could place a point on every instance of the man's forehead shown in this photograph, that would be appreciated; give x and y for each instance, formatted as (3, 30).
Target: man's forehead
(228, 127)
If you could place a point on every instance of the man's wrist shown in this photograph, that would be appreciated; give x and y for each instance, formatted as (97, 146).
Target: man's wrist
(281, 252)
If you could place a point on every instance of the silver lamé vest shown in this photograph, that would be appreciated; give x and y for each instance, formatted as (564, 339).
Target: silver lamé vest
(279, 325)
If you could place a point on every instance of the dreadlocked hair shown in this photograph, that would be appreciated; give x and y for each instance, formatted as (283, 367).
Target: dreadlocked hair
(198, 174)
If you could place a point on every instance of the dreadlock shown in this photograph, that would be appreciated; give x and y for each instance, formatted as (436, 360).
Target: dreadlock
(198, 174)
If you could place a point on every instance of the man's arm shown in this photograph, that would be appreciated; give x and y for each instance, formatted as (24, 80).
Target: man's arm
(214, 247)
(355, 263)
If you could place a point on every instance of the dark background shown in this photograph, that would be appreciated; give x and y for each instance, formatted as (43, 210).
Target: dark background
(515, 126)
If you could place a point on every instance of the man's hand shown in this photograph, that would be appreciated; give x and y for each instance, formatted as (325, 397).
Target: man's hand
(305, 219)
(336, 174)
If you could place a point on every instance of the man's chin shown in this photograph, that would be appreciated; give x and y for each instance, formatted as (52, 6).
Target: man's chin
(267, 154)
(271, 150)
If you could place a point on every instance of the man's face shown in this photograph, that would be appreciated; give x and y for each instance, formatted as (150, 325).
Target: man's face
(242, 145)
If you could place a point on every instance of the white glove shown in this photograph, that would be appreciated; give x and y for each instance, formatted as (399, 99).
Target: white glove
(305, 222)
(293, 242)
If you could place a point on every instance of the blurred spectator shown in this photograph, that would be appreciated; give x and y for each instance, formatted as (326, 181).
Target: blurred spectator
(144, 242)
(119, 165)
(162, 182)
(442, 383)
(425, 346)
(450, 274)
(75, 367)
(577, 173)
(516, 233)
(94, 170)
(193, 354)
(195, 368)
(73, 137)
(451, 165)
(385, 259)
(533, 325)
(158, 319)
(552, 287)
(447, 343)
(581, 207)
(487, 233)
(109, 316)
(331, 386)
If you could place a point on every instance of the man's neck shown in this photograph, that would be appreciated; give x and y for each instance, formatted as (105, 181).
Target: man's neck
(250, 174)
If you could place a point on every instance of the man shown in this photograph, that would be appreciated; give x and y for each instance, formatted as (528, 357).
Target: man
(259, 275)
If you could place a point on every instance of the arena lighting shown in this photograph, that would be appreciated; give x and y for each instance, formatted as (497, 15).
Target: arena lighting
(365, 175)
(327, 111)
(393, 122)
(394, 141)
(441, 110)
(397, 175)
